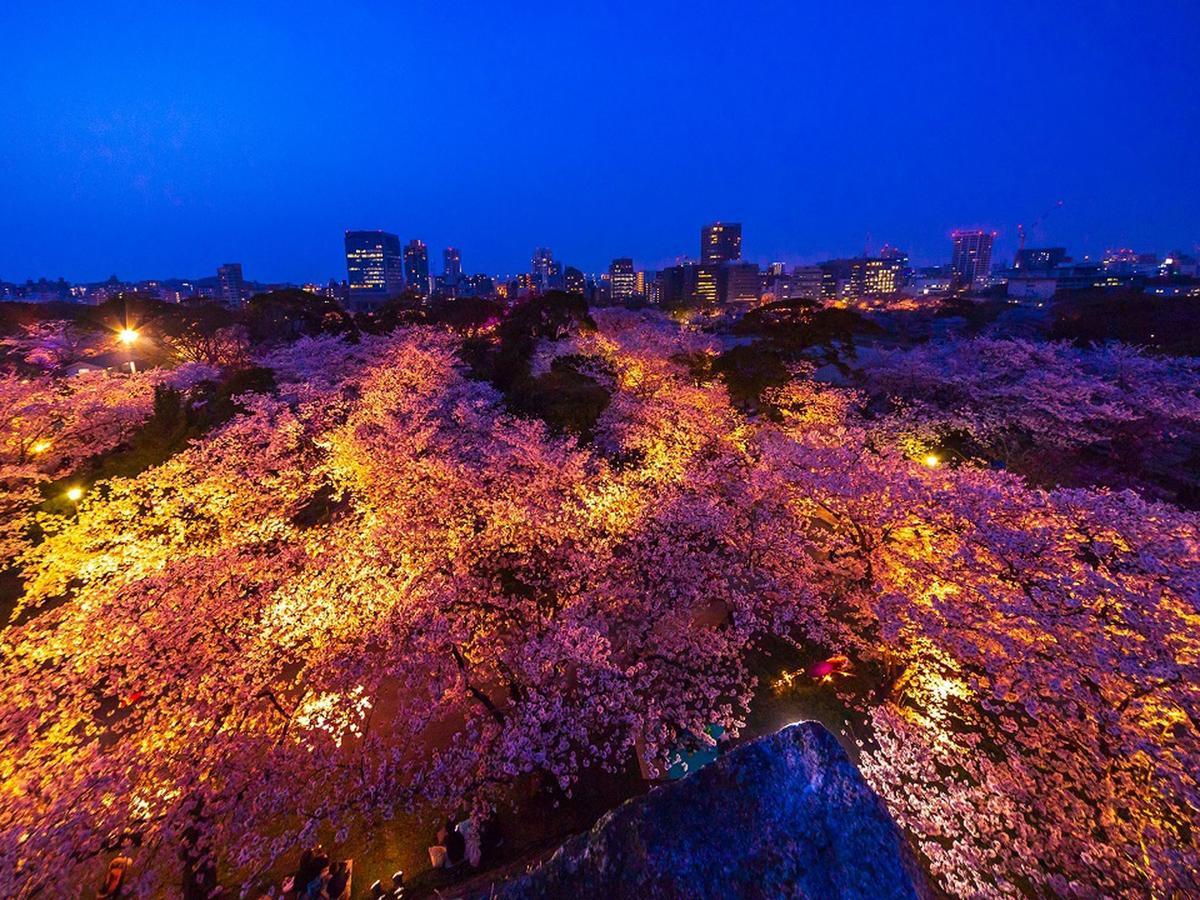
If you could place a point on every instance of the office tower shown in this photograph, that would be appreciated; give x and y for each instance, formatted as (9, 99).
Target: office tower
(721, 242)
(374, 268)
(574, 282)
(416, 267)
(671, 284)
(230, 288)
(702, 283)
(451, 266)
(740, 282)
(807, 282)
(622, 281)
(972, 259)
(876, 275)
(540, 268)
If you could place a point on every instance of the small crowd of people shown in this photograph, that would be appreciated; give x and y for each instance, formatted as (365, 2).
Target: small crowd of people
(470, 841)
(317, 877)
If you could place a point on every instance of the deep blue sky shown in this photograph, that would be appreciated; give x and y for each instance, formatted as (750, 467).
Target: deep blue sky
(163, 138)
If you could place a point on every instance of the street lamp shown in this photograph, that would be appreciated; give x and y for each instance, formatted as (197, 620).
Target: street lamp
(128, 337)
(931, 460)
(74, 493)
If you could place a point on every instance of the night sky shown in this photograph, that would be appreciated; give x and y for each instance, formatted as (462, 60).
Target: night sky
(162, 139)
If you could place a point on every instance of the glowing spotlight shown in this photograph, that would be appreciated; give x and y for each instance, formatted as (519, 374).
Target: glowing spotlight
(931, 460)
(127, 336)
(74, 494)
(39, 447)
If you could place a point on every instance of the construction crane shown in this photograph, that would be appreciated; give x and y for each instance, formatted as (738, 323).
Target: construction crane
(1036, 222)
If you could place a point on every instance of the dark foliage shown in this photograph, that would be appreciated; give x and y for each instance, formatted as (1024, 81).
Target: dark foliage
(177, 419)
(288, 314)
(1162, 324)
(795, 326)
(565, 398)
(750, 369)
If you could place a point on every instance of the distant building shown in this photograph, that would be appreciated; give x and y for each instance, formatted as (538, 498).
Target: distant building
(871, 276)
(933, 280)
(703, 283)
(231, 289)
(671, 286)
(451, 266)
(574, 282)
(416, 267)
(802, 283)
(1176, 264)
(740, 282)
(1039, 259)
(622, 280)
(477, 286)
(972, 258)
(541, 268)
(374, 268)
(835, 278)
(721, 242)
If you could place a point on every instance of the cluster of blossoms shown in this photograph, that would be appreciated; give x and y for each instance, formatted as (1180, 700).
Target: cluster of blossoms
(376, 586)
(1020, 402)
(53, 423)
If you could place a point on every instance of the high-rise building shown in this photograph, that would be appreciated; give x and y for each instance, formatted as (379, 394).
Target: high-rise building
(671, 286)
(451, 266)
(622, 280)
(416, 267)
(972, 259)
(231, 290)
(876, 275)
(740, 282)
(541, 268)
(374, 268)
(574, 282)
(721, 242)
(703, 283)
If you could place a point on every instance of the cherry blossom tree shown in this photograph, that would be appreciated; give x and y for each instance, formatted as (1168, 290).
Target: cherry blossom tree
(377, 587)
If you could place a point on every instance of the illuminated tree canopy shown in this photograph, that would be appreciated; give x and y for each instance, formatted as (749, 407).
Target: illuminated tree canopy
(379, 585)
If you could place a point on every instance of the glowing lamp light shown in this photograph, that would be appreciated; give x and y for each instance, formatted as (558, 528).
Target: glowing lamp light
(127, 336)
(39, 447)
(931, 460)
(74, 494)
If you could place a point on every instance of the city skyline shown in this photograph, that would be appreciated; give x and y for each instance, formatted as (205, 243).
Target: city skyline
(1000, 258)
(154, 164)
